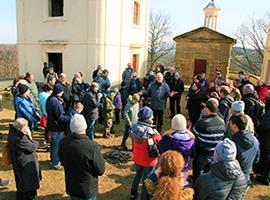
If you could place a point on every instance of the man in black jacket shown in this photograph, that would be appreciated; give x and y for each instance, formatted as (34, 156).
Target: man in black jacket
(209, 131)
(82, 161)
(177, 88)
(225, 102)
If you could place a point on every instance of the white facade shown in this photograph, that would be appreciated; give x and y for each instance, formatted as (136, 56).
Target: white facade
(265, 74)
(90, 32)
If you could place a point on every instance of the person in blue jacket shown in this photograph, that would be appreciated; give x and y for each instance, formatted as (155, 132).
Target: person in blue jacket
(24, 106)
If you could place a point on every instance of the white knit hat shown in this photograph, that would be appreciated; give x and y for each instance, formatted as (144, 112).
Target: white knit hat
(78, 124)
(238, 106)
(179, 122)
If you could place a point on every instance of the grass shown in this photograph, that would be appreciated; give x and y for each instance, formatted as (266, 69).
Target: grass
(113, 185)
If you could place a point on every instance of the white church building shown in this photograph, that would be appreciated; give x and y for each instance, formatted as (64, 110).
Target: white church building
(78, 35)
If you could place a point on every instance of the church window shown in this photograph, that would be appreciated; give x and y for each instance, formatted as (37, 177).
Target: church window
(56, 8)
(136, 13)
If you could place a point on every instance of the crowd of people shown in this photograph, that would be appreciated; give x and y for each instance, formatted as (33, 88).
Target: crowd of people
(226, 132)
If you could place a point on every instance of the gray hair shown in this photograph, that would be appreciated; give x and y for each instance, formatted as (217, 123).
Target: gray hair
(248, 89)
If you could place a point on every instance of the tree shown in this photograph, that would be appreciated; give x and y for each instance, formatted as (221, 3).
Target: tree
(251, 38)
(8, 61)
(159, 45)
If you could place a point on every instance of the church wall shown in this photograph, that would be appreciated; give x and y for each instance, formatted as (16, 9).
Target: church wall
(100, 33)
(216, 54)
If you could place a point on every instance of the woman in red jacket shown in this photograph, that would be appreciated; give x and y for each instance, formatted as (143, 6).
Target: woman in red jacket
(145, 138)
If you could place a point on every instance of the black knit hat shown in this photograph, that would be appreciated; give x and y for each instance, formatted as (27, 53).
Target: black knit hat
(22, 88)
(58, 88)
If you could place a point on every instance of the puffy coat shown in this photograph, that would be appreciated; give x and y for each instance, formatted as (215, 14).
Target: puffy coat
(225, 181)
(24, 160)
(56, 114)
(158, 95)
(140, 133)
(117, 101)
(181, 141)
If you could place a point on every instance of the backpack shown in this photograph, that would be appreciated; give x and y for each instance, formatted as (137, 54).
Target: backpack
(256, 111)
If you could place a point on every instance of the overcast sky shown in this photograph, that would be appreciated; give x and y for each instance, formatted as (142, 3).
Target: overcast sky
(185, 15)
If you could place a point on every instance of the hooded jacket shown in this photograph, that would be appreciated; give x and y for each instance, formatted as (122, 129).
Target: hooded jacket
(225, 181)
(180, 141)
(248, 151)
(141, 132)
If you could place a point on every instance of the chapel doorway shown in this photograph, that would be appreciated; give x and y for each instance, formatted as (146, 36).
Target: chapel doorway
(56, 59)
(199, 67)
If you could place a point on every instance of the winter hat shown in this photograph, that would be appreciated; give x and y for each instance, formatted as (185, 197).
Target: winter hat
(78, 124)
(179, 122)
(58, 88)
(238, 106)
(225, 150)
(145, 113)
(22, 88)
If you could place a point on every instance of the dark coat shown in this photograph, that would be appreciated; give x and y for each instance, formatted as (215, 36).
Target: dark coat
(158, 95)
(248, 151)
(224, 107)
(90, 109)
(177, 86)
(83, 163)
(56, 114)
(77, 90)
(209, 131)
(135, 86)
(225, 181)
(254, 108)
(24, 160)
(67, 95)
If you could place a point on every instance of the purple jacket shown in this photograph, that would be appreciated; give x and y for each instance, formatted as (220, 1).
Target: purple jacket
(117, 101)
(180, 141)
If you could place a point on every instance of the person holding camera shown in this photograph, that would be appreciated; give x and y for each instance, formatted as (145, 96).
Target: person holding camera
(145, 152)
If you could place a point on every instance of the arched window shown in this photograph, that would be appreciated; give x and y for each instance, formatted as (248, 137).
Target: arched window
(136, 13)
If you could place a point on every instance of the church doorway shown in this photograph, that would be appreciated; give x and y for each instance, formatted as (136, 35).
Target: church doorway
(56, 60)
(135, 62)
(199, 66)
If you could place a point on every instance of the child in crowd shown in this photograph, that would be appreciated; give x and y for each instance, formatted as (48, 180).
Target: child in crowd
(117, 102)
(131, 116)
(109, 114)
(124, 96)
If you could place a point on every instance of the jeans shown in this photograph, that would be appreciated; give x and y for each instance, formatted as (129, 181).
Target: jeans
(77, 198)
(126, 134)
(201, 164)
(141, 172)
(90, 129)
(56, 137)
